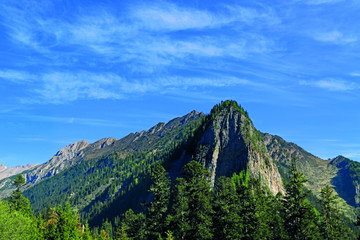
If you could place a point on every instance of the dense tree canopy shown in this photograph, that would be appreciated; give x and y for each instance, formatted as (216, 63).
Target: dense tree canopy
(235, 208)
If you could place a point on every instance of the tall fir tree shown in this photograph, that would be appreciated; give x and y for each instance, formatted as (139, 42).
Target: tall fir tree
(133, 225)
(63, 223)
(227, 222)
(17, 199)
(300, 215)
(192, 210)
(331, 225)
(158, 207)
(276, 223)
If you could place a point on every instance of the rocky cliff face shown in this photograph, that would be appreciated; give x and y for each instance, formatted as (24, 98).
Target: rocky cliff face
(231, 144)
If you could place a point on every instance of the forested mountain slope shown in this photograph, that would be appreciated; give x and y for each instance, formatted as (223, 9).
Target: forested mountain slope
(104, 179)
(115, 176)
(118, 173)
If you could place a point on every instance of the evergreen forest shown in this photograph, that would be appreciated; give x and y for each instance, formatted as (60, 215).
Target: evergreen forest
(237, 207)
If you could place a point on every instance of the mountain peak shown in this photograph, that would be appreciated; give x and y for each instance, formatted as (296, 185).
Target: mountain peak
(227, 106)
(2, 167)
(7, 172)
(64, 158)
(340, 161)
(230, 143)
(73, 147)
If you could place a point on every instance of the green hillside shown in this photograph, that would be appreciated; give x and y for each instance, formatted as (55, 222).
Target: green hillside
(97, 184)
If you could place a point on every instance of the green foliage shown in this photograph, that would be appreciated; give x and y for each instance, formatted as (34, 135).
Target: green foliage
(133, 225)
(121, 235)
(300, 215)
(157, 208)
(331, 226)
(192, 210)
(19, 202)
(227, 221)
(236, 208)
(108, 228)
(62, 223)
(225, 105)
(14, 224)
(97, 185)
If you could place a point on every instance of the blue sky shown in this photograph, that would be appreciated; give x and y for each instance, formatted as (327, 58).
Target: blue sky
(73, 70)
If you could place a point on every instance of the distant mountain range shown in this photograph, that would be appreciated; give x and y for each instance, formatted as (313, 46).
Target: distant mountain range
(105, 178)
(7, 172)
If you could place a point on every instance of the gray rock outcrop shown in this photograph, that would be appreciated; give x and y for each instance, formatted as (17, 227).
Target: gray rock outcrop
(231, 144)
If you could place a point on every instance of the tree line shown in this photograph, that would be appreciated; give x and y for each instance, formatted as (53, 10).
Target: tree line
(235, 208)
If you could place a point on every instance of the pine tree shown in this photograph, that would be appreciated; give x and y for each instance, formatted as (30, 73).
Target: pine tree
(107, 226)
(121, 235)
(192, 208)
(17, 199)
(133, 224)
(263, 213)
(15, 224)
(158, 207)
(62, 223)
(226, 219)
(50, 227)
(179, 219)
(276, 221)
(331, 225)
(103, 235)
(300, 216)
(86, 235)
(246, 206)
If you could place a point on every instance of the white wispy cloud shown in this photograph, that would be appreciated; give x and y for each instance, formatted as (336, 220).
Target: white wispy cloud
(318, 2)
(16, 76)
(170, 17)
(139, 42)
(332, 84)
(131, 37)
(334, 36)
(73, 120)
(59, 87)
(355, 74)
(67, 86)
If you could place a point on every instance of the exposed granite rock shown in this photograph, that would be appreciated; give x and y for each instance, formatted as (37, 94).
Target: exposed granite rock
(102, 143)
(231, 144)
